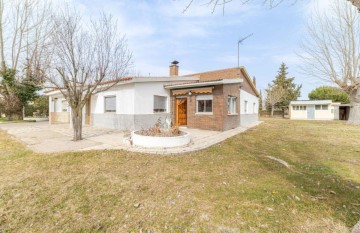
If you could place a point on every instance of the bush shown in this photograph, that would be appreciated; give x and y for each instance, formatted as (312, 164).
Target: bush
(39, 107)
(158, 131)
(329, 93)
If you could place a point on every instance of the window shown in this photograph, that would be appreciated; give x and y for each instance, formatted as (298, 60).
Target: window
(204, 103)
(321, 107)
(110, 104)
(55, 103)
(254, 107)
(245, 106)
(294, 108)
(160, 103)
(64, 106)
(232, 104)
(302, 107)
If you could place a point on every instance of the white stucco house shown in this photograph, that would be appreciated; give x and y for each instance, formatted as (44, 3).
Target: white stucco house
(318, 110)
(215, 100)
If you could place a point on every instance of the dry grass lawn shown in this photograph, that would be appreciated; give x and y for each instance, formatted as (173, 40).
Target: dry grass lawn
(231, 187)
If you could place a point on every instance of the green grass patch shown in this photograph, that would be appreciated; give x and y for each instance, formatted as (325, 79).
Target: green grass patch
(231, 187)
(4, 120)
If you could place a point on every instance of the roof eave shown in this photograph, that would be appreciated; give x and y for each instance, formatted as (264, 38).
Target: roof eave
(203, 84)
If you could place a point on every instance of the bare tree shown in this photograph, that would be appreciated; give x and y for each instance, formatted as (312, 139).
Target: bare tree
(23, 30)
(84, 59)
(332, 51)
(274, 95)
(214, 4)
(356, 3)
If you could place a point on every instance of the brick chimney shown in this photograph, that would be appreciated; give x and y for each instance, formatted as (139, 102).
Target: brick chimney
(174, 69)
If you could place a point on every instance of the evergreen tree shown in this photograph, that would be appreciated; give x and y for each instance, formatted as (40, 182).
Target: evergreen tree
(16, 92)
(292, 90)
(260, 102)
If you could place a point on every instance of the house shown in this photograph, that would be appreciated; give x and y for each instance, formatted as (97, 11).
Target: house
(318, 110)
(215, 100)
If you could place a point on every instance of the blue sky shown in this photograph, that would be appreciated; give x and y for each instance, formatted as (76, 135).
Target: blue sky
(158, 32)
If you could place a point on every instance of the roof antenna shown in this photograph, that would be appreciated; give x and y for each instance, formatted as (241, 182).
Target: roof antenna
(240, 42)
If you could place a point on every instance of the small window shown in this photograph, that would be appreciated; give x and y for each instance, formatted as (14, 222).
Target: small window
(294, 108)
(232, 104)
(160, 103)
(110, 104)
(55, 103)
(302, 107)
(204, 103)
(254, 107)
(245, 106)
(317, 107)
(324, 107)
(64, 106)
(297, 107)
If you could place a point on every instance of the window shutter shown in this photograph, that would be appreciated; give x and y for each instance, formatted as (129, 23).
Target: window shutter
(110, 104)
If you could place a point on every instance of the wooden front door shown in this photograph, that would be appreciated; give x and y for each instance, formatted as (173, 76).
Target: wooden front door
(88, 112)
(181, 111)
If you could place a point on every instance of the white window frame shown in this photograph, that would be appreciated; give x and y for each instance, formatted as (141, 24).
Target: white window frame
(232, 106)
(62, 106)
(166, 104)
(54, 104)
(205, 98)
(109, 111)
(323, 107)
(245, 106)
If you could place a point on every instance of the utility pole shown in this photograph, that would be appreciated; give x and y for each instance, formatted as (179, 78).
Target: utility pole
(240, 42)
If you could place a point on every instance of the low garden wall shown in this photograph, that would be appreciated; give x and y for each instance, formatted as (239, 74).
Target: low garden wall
(164, 142)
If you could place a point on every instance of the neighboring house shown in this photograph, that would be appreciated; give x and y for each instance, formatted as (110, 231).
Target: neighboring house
(318, 110)
(215, 100)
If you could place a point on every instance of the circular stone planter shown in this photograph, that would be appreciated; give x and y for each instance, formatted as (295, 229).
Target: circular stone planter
(153, 141)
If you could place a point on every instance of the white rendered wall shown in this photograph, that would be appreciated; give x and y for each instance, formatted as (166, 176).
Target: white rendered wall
(124, 100)
(319, 114)
(136, 98)
(251, 99)
(298, 114)
(325, 114)
(58, 102)
(144, 96)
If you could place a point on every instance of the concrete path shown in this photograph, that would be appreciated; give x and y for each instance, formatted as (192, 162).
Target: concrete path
(44, 138)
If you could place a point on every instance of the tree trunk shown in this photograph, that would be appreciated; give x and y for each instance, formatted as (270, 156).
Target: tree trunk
(272, 110)
(77, 124)
(354, 116)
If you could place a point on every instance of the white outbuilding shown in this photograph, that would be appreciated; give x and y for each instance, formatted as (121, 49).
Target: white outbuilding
(318, 110)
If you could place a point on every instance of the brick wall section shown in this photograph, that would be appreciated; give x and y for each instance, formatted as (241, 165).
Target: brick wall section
(219, 120)
(229, 73)
(231, 121)
(59, 117)
(215, 121)
(218, 74)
